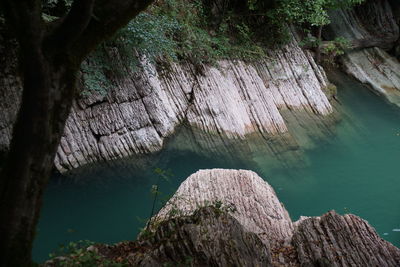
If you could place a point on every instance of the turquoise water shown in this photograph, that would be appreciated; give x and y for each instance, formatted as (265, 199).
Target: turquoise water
(356, 170)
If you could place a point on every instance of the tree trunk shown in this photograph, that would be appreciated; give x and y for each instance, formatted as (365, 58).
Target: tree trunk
(51, 55)
(49, 88)
(318, 49)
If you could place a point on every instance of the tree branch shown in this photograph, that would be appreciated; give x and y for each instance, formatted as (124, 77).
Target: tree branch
(70, 28)
(108, 17)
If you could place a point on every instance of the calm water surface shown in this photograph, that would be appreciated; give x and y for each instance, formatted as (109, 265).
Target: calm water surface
(356, 171)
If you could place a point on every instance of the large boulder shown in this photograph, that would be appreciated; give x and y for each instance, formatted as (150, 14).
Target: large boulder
(254, 201)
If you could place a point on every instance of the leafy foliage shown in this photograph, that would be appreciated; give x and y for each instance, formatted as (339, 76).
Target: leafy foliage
(93, 72)
(149, 34)
(335, 48)
(193, 30)
(55, 8)
(183, 29)
(312, 12)
(309, 14)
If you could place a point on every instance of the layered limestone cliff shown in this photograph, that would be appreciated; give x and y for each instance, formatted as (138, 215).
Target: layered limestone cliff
(373, 31)
(232, 100)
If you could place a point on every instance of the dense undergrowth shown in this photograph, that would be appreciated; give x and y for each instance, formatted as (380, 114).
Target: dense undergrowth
(202, 32)
(205, 31)
(198, 31)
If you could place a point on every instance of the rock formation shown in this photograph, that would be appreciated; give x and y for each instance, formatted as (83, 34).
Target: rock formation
(329, 240)
(231, 99)
(206, 238)
(233, 218)
(342, 240)
(257, 207)
(373, 30)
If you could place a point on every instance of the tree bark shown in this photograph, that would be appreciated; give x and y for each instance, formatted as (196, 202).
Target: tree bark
(50, 58)
(49, 88)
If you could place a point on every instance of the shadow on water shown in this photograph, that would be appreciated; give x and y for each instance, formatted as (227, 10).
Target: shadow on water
(350, 166)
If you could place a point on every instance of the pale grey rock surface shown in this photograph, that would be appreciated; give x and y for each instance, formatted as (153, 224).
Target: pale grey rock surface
(328, 240)
(376, 68)
(372, 28)
(232, 99)
(258, 208)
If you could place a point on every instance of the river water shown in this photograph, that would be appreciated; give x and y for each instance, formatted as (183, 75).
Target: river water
(355, 170)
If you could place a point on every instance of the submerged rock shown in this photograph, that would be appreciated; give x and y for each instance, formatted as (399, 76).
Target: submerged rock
(373, 30)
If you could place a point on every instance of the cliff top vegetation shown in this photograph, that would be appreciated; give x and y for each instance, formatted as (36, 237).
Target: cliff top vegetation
(204, 31)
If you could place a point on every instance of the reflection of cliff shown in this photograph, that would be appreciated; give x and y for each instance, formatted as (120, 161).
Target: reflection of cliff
(233, 99)
(374, 31)
(233, 218)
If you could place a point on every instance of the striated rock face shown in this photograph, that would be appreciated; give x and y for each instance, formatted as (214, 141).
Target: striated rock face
(232, 99)
(376, 68)
(372, 28)
(329, 240)
(342, 241)
(258, 208)
(371, 24)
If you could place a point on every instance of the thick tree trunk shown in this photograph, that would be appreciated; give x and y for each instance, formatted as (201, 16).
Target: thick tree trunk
(49, 88)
